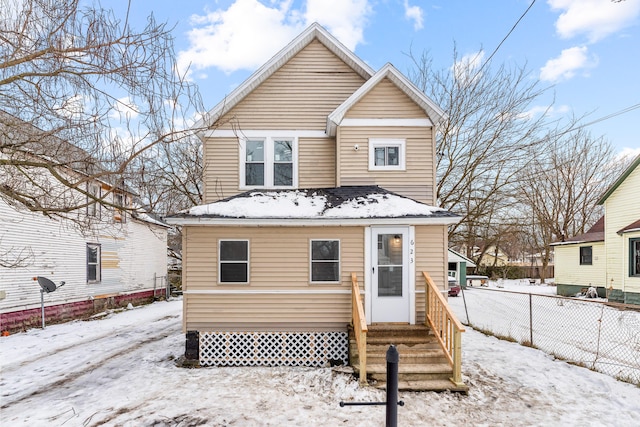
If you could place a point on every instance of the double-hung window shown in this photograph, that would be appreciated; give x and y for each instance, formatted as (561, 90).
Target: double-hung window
(387, 154)
(233, 261)
(586, 255)
(93, 207)
(325, 261)
(634, 257)
(268, 162)
(93, 263)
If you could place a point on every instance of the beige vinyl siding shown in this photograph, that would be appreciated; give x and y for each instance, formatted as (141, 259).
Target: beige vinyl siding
(621, 209)
(430, 256)
(279, 260)
(221, 168)
(300, 95)
(568, 270)
(386, 101)
(416, 181)
(317, 162)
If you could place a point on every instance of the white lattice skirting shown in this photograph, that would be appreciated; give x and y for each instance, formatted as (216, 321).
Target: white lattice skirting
(272, 348)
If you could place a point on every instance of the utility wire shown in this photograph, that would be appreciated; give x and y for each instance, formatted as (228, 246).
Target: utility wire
(506, 37)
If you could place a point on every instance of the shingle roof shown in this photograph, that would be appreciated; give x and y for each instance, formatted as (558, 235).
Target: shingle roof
(349, 202)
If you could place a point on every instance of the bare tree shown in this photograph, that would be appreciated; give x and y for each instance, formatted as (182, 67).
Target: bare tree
(561, 185)
(83, 97)
(482, 143)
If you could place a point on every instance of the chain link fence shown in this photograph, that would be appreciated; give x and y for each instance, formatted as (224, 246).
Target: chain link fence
(589, 333)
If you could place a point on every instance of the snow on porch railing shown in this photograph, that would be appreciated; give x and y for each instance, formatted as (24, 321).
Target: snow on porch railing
(446, 326)
(359, 326)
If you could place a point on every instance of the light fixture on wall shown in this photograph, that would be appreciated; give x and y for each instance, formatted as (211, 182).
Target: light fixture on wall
(396, 240)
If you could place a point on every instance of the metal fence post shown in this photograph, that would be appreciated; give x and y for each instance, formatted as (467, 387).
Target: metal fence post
(530, 321)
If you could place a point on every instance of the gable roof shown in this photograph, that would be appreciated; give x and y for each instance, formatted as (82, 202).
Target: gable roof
(320, 206)
(594, 234)
(458, 257)
(634, 164)
(390, 72)
(314, 32)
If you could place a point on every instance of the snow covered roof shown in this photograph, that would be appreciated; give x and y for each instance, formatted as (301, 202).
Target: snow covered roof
(353, 204)
(454, 256)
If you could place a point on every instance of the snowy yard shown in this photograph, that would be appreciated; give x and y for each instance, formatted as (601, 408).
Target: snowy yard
(120, 371)
(583, 331)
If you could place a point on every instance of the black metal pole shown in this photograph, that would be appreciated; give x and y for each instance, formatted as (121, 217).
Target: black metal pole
(392, 386)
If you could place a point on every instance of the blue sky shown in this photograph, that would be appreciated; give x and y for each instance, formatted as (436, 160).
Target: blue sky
(587, 50)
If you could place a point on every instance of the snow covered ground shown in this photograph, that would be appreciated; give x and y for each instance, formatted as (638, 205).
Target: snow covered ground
(582, 330)
(120, 371)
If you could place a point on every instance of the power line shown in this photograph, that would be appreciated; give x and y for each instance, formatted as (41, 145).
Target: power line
(506, 37)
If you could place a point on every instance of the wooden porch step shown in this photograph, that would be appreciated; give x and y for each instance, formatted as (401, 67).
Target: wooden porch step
(412, 372)
(430, 385)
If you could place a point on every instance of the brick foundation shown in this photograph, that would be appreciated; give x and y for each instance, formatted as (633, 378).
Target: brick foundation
(17, 321)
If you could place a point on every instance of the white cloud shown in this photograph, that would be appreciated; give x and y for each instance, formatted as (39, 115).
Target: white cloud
(628, 153)
(249, 32)
(594, 18)
(464, 69)
(547, 110)
(567, 64)
(415, 14)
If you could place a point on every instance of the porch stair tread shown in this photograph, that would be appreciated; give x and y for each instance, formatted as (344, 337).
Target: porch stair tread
(431, 385)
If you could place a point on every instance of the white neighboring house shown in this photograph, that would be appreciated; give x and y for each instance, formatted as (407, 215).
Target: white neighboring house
(117, 257)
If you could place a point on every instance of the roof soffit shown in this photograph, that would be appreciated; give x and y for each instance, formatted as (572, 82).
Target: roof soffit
(431, 109)
(314, 32)
(634, 164)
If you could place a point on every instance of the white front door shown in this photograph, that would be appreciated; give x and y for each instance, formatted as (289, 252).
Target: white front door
(390, 301)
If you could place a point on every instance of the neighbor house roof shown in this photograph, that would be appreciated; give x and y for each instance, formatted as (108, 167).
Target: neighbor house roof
(634, 164)
(634, 226)
(594, 234)
(320, 206)
(458, 257)
(433, 112)
(314, 32)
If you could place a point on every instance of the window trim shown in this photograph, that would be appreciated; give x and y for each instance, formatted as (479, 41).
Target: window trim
(269, 161)
(247, 262)
(98, 263)
(632, 241)
(311, 261)
(93, 206)
(583, 259)
(387, 142)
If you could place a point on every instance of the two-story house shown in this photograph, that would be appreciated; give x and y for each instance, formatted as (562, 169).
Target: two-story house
(108, 252)
(319, 192)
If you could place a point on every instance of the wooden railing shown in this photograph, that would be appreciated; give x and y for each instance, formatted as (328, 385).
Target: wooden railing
(445, 325)
(359, 326)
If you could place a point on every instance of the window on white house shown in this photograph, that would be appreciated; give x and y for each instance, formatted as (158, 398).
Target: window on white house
(634, 257)
(94, 270)
(233, 261)
(387, 154)
(93, 207)
(586, 255)
(325, 261)
(120, 200)
(268, 162)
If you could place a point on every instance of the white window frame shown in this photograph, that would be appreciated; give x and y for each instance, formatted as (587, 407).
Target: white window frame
(247, 262)
(93, 206)
(311, 261)
(385, 143)
(97, 264)
(269, 161)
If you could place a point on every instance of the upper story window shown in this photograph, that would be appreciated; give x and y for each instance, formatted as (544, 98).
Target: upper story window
(387, 154)
(93, 207)
(634, 257)
(269, 162)
(586, 255)
(120, 200)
